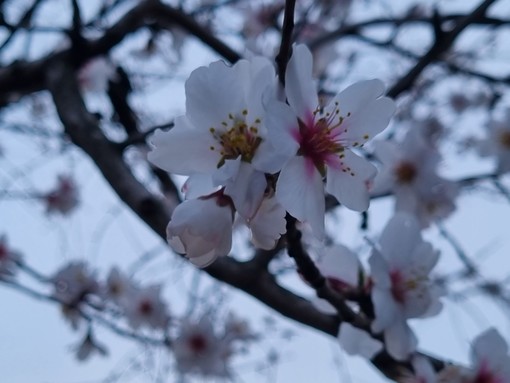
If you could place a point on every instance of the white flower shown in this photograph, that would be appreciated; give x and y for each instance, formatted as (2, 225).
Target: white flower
(317, 141)
(199, 350)
(407, 167)
(63, 198)
(497, 144)
(118, 287)
(358, 342)
(489, 355)
(223, 135)
(410, 172)
(8, 259)
(202, 229)
(73, 282)
(401, 288)
(146, 308)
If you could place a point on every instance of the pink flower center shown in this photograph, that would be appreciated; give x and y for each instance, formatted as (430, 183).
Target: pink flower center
(400, 286)
(320, 140)
(236, 139)
(405, 172)
(115, 288)
(504, 139)
(197, 343)
(484, 375)
(397, 286)
(146, 307)
(3, 252)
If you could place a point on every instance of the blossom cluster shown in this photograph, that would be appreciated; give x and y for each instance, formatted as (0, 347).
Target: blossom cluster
(198, 345)
(205, 348)
(399, 285)
(490, 363)
(401, 288)
(74, 284)
(410, 172)
(250, 151)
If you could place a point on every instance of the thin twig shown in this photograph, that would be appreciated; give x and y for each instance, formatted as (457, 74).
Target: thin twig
(283, 56)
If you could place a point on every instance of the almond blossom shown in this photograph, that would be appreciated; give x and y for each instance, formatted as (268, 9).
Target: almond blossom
(73, 283)
(489, 355)
(318, 140)
(401, 287)
(63, 198)
(409, 171)
(202, 228)
(146, 308)
(223, 135)
(199, 350)
(358, 342)
(118, 287)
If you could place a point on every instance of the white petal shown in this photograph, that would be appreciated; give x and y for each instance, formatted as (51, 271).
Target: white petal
(211, 94)
(184, 150)
(380, 272)
(198, 185)
(300, 87)
(350, 187)
(228, 171)
(246, 189)
(204, 260)
(202, 229)
(356, 96)
(269, 159)
(399, 238)
(386, 309)
(340, 263)
(491, 348)
(268, 224)
(258, 81)
(300, 191)
(365, 125)
(400, 340)
(424, 258)
(175, 243)
(357, 342)
(283, 130)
